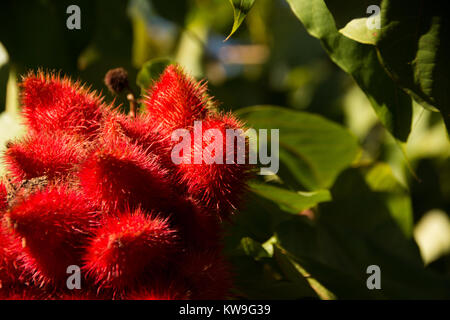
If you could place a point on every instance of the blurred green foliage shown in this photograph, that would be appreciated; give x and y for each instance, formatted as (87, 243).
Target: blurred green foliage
(362, 166)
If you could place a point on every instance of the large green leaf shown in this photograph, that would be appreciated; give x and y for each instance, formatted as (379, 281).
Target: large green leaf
(414, 46)
(313, 148)
(290, 201)
(391, 104)
(356, 230)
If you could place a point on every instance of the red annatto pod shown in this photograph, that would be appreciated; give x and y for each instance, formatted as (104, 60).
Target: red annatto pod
(53, 155)
(177, 100)
(52, 227)
(120, 175)
(51, 103)
(25, 293)
(3, 198)
(207, 275)
(9, 273)
(142, 131)
(163, 291)
(129, 247)
(199, 228)
(90, 187)
(219, 180)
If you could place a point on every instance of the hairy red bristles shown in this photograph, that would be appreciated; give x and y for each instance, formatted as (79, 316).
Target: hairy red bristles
(176, 100)
(24, 293)
(9, 272)
(128, 246)
(198, 227)
(217, 186)
(120, 174)
(92, 188)
(3, 198)
(172, 291)
(44, 154)
(52, 103)
(142, 131)
(57, 219)
(206, 275)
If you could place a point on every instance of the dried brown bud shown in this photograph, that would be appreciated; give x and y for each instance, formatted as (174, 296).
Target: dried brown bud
(117, 80)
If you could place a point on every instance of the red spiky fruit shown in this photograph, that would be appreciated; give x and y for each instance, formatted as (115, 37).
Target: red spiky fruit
(51, 103)
(141, 131)
(199, 228)
(120, 174)
(85, 181)
(3, 198)
(24, 293)
(219, 179)
(173, 291)
(44, 154)
(9, 272)
(206, 275)
(127, 247)
(176, 100)
(57, 219)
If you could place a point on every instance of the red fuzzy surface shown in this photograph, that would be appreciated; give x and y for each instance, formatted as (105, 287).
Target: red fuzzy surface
(44, 154)
(120, 174)
(177, 100)
(206, 275)
(52, 226)
(128, 246)
(3, 197)
(90, 187)
(217, 186)
(54, 103)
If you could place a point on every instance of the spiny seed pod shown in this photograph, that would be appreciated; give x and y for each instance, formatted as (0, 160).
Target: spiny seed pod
(51, 103)
(207, 275)
(90, 187)
(117, 80)
(176, 100)
(44, 154)
(3, 197)
(141, 131)
(128, 246)
(8, 268)
(161, 292)
(52, 226)
(219, 181)
(121, 174)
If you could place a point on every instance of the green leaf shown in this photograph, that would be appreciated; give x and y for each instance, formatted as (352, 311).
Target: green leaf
(240, 10)
(295, 273)
(151, 71)
(253, 248)
(355, 230)
(313, 148)
(317, 253)
(290, 201)
(357, 30)
(345, 11)
(414, 46)
(392, 106)
(256, 280)
(381, 179)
